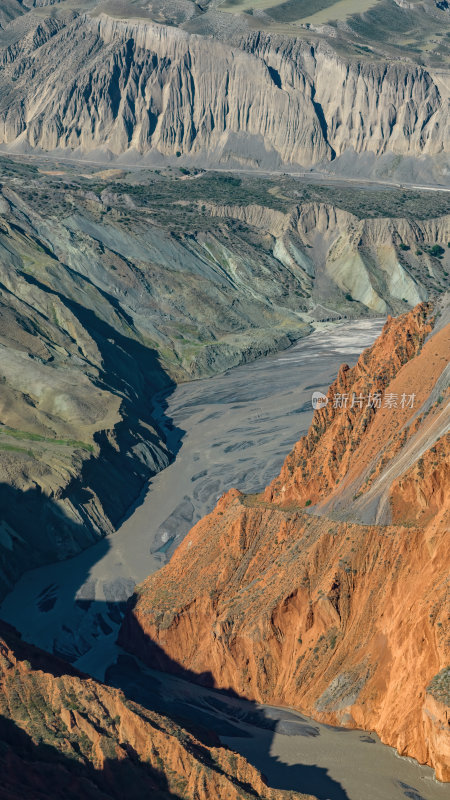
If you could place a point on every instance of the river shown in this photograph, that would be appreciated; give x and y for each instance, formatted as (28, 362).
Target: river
(230, 430)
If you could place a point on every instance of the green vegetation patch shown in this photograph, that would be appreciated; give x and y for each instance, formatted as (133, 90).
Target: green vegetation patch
(436, 250)
(297, 9)
(19, 169)
(36, 437)
(210, 187)
(439, 686)
(14, 449)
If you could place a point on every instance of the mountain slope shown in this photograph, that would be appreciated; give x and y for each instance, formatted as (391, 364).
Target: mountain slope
(379, 263)
(63, 734)
(328, 610)
(96, 318)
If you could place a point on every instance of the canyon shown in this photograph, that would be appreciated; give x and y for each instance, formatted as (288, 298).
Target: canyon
(205, 208)
(74, 608)
(320, 592)
(100, 277)
(88, 309)
(271, 399)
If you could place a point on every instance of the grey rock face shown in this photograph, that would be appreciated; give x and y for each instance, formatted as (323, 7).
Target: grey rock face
(101, 84)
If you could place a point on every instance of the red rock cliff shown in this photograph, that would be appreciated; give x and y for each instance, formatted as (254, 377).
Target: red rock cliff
(331, 611)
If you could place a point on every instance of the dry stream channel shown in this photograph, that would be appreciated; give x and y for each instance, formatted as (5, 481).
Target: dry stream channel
(231, 430)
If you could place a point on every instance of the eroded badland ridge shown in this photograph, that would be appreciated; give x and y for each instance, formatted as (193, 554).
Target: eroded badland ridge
(64, 734)
(341, 610)
(102, 85)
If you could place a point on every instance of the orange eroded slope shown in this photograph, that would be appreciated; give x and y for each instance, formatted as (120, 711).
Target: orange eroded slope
(330, 612)
(63, 734)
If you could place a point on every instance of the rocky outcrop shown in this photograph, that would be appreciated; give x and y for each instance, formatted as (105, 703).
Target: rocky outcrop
(375, 262)
(63, 732)
(436, 716)
(144, 88)
(362, 106)
(327, 611)
(369, 444)
(340, 432)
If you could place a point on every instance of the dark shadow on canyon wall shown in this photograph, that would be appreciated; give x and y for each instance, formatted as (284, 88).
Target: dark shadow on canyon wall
(33, 771)
(131, 370)
(224, 713)
(36, 531)
(111, 484)
(206, 719)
